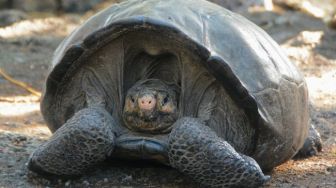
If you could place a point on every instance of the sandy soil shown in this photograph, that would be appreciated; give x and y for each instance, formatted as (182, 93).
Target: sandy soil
(25, 52)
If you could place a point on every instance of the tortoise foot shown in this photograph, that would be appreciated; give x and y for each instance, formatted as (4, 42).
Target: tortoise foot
(198, 152)
(83, 141)
(312, 145)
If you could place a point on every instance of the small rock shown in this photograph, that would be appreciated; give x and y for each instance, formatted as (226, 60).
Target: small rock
(127, 179)
(286, 181)
(86, 183)
(21, 138)
(331, 169)
(105, 180)
(8, 17)
(326, 172)
(20, 173)
(27, 122)
(11, 124)
(67, 184)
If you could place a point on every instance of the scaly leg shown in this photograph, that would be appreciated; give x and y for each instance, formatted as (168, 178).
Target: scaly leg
(312, 145)
(198, 152)
(83, 141)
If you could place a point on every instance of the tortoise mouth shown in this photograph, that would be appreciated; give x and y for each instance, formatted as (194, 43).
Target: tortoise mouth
(157, 124)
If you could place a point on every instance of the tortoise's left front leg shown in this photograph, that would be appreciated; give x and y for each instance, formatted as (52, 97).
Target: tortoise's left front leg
(83, 141)
(198, 152)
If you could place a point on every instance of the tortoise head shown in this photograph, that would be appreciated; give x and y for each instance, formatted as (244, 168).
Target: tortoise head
(151, 106)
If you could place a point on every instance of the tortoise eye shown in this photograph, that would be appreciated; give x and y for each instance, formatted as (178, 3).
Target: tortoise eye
(132, 99)
(165, 100)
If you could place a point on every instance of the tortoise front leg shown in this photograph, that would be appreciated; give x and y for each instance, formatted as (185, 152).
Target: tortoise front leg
(83, 141)
(198, 152)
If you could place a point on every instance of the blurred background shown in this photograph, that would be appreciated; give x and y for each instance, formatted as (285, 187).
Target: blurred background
(30, 30)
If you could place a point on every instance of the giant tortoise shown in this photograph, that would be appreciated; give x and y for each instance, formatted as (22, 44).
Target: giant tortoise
(187, 83)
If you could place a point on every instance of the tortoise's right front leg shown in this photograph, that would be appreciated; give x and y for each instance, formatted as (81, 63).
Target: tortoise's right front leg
(83, 141)
(197, 151)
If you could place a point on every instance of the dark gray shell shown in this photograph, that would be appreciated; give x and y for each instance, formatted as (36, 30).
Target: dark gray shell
(241, 56)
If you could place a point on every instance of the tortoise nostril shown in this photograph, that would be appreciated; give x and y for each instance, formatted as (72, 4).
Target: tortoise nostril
(147, 102)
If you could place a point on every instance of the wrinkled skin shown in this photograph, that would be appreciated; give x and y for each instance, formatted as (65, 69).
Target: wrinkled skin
(153, 129)
(151, 109)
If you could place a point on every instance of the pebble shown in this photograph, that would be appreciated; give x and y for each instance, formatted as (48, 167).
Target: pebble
(326, 172)
(86, 183)
(127, 178)
(20, 172)
(67, 184)
(331, 169)
(105, 180)
(21, 138)
(286, 181)
(27, 122)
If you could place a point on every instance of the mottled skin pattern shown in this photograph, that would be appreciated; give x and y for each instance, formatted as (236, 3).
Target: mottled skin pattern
(196, 150)
(150, 112)
(84, 140)
(312, 145)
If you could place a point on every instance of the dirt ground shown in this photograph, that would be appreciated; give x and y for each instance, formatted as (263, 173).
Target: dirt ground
(26, 49)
